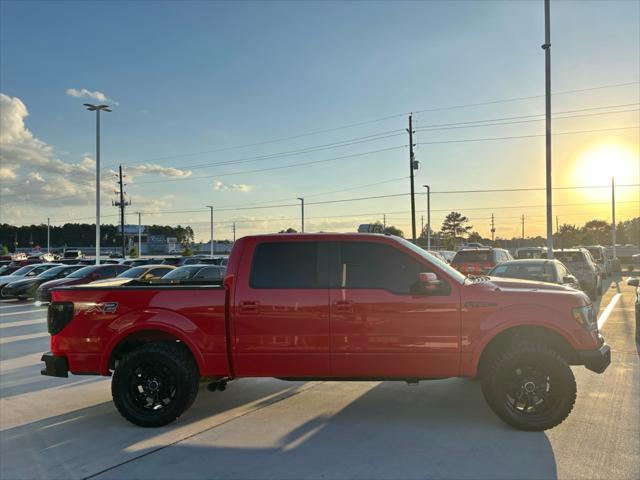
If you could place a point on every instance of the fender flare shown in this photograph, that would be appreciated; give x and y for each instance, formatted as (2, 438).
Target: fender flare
(502, 320)
(153, 323)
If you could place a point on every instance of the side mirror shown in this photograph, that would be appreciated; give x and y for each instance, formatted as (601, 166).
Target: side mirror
(569, 279)
(429, 283)
(428, 278)
(633, 282)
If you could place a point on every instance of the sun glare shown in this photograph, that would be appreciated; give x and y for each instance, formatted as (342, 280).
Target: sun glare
(597, 164)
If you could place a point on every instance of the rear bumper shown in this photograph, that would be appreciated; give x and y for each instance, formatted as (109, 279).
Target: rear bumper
(54, 366)
(596, 360)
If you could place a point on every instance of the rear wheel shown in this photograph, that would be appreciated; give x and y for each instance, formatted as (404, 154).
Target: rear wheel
(154, 384)
(529, 386)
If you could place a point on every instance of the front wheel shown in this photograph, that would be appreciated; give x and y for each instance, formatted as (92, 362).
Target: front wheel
(529, 386)
(155, 384)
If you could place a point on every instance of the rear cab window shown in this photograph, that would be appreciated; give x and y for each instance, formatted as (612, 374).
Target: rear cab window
(290, 265)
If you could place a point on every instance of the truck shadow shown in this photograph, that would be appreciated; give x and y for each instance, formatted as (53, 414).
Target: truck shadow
(440, 429)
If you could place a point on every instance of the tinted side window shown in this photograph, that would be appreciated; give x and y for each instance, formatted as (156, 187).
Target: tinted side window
(289, 265)
(378, 266)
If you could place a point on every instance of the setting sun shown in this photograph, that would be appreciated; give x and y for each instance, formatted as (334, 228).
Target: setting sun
(597, 164)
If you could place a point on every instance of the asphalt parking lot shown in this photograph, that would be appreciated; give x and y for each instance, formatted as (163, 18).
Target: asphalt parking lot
(264, 428)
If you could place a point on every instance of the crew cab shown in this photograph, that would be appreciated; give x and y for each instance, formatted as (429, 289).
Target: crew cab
(333, 307)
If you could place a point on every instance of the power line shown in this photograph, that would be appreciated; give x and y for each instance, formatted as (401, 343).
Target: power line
(388, 117)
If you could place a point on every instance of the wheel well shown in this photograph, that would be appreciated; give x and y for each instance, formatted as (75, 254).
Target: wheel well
(542, 335)
(133, 341)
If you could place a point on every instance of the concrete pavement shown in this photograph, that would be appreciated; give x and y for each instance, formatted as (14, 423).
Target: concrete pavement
(264, 428)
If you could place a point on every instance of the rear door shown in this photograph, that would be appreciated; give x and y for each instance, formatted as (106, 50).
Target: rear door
(382, 325)
(281, 310)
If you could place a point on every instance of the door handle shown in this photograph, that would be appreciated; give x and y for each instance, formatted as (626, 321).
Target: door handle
(344, 306)
(248, 307)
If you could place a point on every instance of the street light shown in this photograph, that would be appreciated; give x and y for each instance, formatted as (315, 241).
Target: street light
(97, 109)
(140, 235)
(211, 208)
(302, 207)
(428, 216)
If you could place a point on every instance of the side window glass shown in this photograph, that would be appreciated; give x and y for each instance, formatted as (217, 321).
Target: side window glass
(288, 265)
(377, 266)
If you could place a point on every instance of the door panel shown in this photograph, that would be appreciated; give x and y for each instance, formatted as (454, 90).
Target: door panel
(281, 329)
(390, 332)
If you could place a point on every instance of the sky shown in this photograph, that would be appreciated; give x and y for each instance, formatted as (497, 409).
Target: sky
(249, 105)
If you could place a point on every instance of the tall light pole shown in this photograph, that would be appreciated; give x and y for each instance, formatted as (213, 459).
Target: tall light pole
(412, 166)
(97, 109)
(302, 213)
(210, 207)
(140, 235)
(48, 235)
(547, 93)
(428, 216)
(613, 215)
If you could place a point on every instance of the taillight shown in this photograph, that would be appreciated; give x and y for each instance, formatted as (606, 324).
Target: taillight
(58, 315)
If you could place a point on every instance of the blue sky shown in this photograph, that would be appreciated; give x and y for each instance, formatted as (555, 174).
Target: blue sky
(188, 77)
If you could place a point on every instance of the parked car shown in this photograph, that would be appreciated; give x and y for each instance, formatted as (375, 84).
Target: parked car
(599, 256)
(479, 261)
(25, 272)
(437, 255)
(175, 261)
(448, 255)
(339, 306)
(79, 277)
(136, 262)
(26, 288)
(537, 270)
(72, 254)
(531, 252)
(635, 282)
(141, 273)
(9, 269)
(199, 272)
(581, 265)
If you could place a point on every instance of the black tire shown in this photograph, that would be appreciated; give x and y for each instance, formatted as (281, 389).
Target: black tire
(529, 386)
(154, 384)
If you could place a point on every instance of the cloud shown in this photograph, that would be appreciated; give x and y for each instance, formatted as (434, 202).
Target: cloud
(84, 93)
(6, 173)
(153, 169)
(219, 186)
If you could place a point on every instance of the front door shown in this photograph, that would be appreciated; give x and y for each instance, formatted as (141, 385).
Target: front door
(383, 324)
(281, 311)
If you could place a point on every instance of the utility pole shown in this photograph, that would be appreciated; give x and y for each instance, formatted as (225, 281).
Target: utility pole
(412, 166)
(234, 232)
(547, 93)
(97, 109)
(140, 234)
(428, 216)
(558, 231)
(121, 204)
(48, 235)
(302, 213)
(210, 207)
(421, 225)
(384, 222)
(523, 227)
(613, 215)
(493, 228)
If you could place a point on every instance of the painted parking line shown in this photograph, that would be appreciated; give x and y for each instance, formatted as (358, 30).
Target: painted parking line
(18, 338)
(23, 323)
(20, 362)
(602, 319)
(3, 307)
(22, 313)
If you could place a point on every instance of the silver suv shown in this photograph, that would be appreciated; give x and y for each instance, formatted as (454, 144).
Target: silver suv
(581, 265)
(599, 255)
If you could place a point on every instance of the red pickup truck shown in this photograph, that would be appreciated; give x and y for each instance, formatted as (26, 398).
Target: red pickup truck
(332, 307)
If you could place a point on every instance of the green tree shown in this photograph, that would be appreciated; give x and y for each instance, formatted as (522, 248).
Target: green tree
(133, 253)
(596, 232)
(391, 230)
(289, 230)
(454, 226)
(187, 252)
(4, 250)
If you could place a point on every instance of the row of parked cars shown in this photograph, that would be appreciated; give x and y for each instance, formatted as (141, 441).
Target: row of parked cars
(37, 280)
(581, 267)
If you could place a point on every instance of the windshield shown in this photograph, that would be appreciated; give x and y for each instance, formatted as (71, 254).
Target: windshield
(52, 272)
(473, 256)
(83, 272)
(571, 257)
(596, 253)
(134, 272)
(543, 272)
(444, 266)
(182, 273)
(23, 270)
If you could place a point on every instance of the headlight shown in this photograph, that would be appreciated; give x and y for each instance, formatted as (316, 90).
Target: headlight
(585, 316)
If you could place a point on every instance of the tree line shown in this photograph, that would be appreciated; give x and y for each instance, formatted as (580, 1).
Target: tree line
(79, 234)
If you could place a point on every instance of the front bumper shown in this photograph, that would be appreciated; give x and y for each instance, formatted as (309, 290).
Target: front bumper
(54, 366)
(596, 360)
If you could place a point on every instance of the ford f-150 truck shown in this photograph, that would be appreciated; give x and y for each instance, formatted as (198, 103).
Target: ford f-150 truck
(332, 307)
